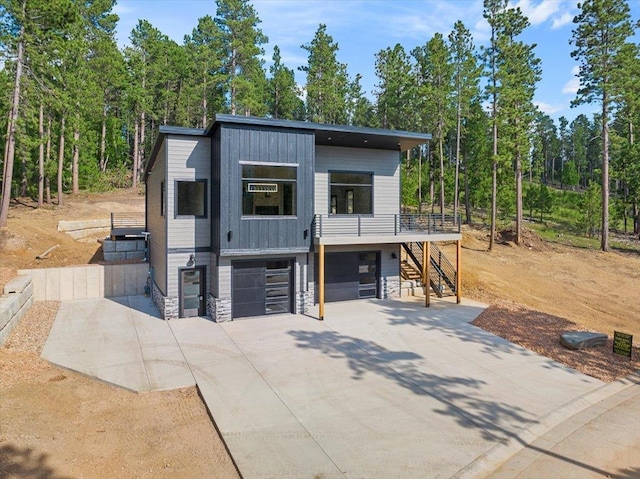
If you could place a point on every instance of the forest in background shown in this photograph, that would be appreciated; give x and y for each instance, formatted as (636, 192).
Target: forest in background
(80, 113)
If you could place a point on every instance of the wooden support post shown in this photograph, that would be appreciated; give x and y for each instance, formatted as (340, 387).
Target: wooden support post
(426, 260)
(321, 282)
(458, 271)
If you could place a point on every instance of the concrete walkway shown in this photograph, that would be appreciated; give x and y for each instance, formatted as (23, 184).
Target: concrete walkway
(379, 389)
(122, 341)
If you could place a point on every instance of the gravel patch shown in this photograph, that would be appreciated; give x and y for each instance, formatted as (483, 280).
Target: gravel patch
(540, 333)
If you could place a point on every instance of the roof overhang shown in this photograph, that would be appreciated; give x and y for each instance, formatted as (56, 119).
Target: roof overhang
(335, 135)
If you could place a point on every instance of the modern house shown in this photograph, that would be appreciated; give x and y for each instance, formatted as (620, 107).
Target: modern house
(254, 216)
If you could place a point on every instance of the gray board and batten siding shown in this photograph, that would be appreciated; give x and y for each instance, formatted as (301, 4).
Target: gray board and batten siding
(241, 144)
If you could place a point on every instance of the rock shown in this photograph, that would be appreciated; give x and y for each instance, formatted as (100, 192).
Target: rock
(582, 339)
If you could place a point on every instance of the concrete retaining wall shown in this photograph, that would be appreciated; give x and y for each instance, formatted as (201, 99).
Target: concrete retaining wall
(88, 281)
(16, 300)
(81, 229)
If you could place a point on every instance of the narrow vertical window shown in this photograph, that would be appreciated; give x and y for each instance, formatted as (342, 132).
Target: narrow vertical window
(162, 198)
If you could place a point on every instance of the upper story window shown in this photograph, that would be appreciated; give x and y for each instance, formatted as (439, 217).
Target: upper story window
(351, 193)
(191, 198)
(268, 190)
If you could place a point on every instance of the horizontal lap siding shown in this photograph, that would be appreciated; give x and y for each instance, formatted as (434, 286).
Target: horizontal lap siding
(189, 159)
(156, 223)
(269, 146)
(384, 164)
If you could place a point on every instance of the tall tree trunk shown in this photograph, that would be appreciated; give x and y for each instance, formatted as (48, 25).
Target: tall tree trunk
(457, 176)
(24, 155)
(494, 181)
(519, 214)
(419, 180)
(467, 201)
(11, 138)
(441, 148)
(141, 147)
(41, 157)
(204, 102)
(136, 158)
(103, 139)
(604, 243)
(494, 126)
(47, 183)
(233, 81)
(61, 162)
(75, 187)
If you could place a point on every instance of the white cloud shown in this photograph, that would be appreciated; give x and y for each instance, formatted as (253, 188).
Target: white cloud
(572, 86)
(558, 12)
(548, 108)
(562, 20)
(539, 13)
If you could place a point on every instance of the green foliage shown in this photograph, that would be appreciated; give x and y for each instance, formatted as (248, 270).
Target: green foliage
(591, 208)
(570, 174)
(282, 99)
(396, 88)
(327, 80)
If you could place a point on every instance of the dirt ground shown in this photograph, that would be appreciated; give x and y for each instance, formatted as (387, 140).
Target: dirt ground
(59, 424)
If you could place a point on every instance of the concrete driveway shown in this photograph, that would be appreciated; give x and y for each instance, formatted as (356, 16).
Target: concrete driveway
(379, 389)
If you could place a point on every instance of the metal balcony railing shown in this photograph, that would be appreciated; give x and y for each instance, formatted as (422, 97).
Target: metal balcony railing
(399, 224)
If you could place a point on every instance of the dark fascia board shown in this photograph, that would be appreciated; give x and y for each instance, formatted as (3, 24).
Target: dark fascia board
(334, 135)
(163, 131)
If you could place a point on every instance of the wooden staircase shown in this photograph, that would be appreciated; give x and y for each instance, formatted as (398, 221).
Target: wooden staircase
(442, 274)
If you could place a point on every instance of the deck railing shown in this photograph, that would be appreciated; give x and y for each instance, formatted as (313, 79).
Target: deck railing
(399, 224)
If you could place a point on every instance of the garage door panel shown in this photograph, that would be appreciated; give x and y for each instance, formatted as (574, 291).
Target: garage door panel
(261, 287)
(349, 276)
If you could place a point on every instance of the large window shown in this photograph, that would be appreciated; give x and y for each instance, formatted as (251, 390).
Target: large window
(351, 193)
(268, 190)
(191, 198)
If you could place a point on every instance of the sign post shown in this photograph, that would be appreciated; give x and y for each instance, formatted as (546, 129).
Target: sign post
(622, 344)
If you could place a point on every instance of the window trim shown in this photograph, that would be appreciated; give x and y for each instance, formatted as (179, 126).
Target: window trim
(175, 199)
(354, 172)
(295, 182)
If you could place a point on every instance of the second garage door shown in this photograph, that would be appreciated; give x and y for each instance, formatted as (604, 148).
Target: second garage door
(350, 276)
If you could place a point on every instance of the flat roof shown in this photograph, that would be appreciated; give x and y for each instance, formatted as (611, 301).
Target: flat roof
(336, 135)
(325, 134)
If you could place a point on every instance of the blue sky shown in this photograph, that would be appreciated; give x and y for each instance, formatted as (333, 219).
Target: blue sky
(364, 27)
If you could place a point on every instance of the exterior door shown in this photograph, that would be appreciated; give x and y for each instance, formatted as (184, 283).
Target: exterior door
(192, 292)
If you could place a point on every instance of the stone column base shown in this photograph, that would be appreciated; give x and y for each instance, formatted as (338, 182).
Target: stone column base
(168, 307)
(219, 309)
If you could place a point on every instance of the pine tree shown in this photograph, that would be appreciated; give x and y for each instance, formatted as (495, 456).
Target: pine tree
(434, 86)
(202, 94)
(283, 99)
(518, 72)
(493, 13)
(327, 80)
(396, 88)
(241, 41)
(602, 28)
(466, 78)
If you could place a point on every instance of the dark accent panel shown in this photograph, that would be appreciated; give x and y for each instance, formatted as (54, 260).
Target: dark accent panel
(261, 144)
(215, 192)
